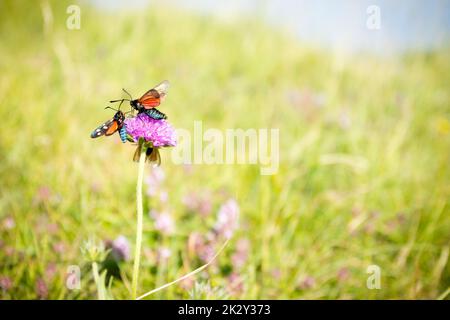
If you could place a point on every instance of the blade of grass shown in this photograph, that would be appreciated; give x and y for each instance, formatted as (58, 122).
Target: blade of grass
(186, 275)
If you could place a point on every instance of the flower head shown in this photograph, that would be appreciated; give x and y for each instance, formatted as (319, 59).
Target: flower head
(159, 132)
(120, 248)
(93, 250)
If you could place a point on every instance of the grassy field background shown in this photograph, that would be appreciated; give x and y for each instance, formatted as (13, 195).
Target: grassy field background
(364, 158)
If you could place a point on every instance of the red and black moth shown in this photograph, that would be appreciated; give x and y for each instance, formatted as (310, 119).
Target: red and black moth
(149, 101)
(111, 126)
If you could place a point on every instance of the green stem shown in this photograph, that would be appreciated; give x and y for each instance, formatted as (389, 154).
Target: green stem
(137, 250)
(100, 291)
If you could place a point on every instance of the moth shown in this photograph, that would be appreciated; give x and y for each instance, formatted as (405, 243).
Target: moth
(149, 101)
(111, 126)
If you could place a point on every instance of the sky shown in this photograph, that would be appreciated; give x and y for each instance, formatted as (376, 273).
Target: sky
(376, 26)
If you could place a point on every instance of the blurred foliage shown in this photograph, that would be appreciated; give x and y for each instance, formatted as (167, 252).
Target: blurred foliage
(364, 155)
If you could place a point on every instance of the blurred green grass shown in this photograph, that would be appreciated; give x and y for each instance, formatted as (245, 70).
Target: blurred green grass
(364, 154)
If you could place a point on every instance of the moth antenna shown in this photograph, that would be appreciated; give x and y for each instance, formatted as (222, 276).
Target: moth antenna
(108, 107)
(127, 93)
(120, 104)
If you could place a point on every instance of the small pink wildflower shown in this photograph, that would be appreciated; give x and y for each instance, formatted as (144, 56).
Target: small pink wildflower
(163, 222)
(343, 274)
(163, 196)
(307, 282)
(198, 203)
(154, 180)
(120, 248)
(195, 242)
(276, 273)
(50, 271)
(96, 187)
(41, 289)
(43, 194)
(201, 247)
(9, 223)
(207, 252)
(227, 218)
(235, 284)
(187, 284)
(5, 283)
(52, 228)
(239, 258)
(9, 251)
(163, 254)
(59, 247)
